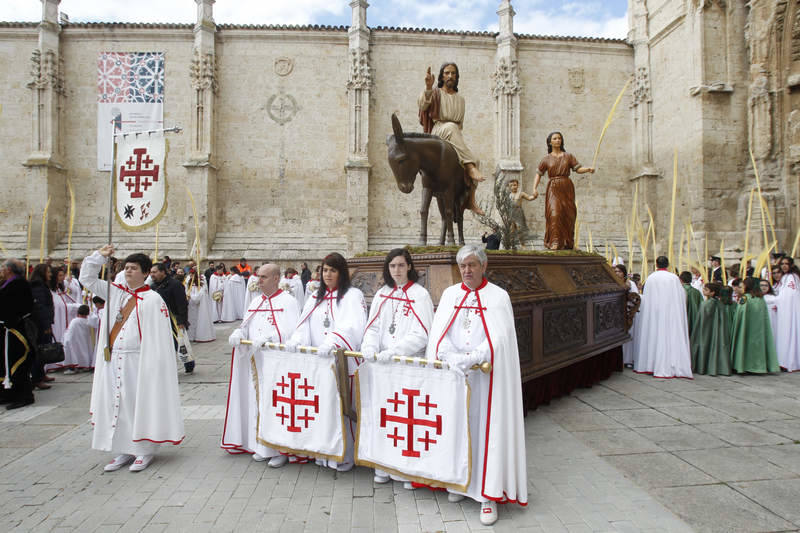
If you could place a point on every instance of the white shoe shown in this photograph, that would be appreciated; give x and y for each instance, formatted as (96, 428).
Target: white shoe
(342, 467)
(70, 371)
(408, 486)
(278, 461)
(141, 462)
(320, 462)
(118, 462)
(452, 497)
(488, 513)
(381, 478)
(258, 458)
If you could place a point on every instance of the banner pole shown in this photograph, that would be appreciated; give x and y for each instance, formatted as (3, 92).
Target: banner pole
(107, 351)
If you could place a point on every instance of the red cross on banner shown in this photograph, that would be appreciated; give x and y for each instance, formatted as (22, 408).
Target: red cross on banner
(410, 421)
(299, 402)
(140, 180)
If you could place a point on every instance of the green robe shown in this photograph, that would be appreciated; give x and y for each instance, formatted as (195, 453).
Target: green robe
(752, 344)
(693, 301)
(710, 340)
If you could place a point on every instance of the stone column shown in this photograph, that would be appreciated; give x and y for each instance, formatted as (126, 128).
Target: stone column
(506, 95)
(645, 172)
(201, 171)
(45, 170)
(357, 167)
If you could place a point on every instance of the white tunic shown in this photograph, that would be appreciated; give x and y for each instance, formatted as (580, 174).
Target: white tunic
(79, 342)
(399, 320)
(65, 308)
(787, 324)
(661, 339)
(627, 348)
(217, 284)
(201, 324)
(135, 401)
(294, 287)
(233, 302)
(772, 309)
(482, 321)
(270, 319)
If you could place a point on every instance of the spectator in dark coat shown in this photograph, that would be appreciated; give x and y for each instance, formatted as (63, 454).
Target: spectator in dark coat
(174, 295)
(210, 270)
(43, 316)
(492, 241)
(305, 274)
(16, 302)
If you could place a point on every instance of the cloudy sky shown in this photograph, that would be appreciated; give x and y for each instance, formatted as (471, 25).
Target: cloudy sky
(595, 18)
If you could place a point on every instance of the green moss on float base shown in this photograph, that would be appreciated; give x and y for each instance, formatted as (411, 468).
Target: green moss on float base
(454, 249)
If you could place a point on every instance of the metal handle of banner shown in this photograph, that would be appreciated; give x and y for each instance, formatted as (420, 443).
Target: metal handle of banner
(484, 366)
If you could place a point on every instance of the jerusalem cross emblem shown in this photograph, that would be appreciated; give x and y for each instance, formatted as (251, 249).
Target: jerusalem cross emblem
(299, 402)
(403, 414)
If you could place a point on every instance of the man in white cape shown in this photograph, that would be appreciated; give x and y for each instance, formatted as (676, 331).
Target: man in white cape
(135, 403)
(272, 317)
(473, 323)
(661, 338)
(291, 283)
(233, 302)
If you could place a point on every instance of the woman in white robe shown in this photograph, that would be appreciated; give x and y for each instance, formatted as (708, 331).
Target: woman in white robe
(334, 318)
(787, 326)
(233, 302)
(66, 307)
(627, 348)
(201, 326)
(399, 319)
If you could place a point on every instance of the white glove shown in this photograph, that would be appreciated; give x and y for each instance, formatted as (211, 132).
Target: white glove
(291, 345)
(236, 338)
(466, 361)
(326, 349)
(385, 356)
(445, 356)
(261, 341)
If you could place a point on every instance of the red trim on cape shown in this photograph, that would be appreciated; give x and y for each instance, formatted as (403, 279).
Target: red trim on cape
(175, 442)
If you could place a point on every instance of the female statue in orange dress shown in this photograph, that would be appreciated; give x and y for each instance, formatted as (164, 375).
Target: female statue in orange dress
(560, 210)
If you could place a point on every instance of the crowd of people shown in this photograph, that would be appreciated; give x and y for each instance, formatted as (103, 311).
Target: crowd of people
(734, 322)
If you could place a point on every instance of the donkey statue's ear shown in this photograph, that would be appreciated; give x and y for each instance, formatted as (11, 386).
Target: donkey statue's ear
(398, 130)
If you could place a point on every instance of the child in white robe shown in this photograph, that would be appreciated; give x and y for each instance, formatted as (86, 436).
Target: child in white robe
(79, 341)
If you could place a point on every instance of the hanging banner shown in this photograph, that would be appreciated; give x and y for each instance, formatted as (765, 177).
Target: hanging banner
(140, 180)
(300, 410)
(413, 422)
(130, 97)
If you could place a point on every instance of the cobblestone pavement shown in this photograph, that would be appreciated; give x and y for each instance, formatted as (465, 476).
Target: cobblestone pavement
(631, 454)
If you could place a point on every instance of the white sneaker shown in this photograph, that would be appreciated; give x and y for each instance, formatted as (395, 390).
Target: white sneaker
(381, 478)
(118, 462)
(141, 462)
(452, 497)
(258, 458)
(70, 371)
(278, 461)
(408, 486)
(488, 513)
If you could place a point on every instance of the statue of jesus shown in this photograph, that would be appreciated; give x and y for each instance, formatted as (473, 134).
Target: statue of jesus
(441, 112)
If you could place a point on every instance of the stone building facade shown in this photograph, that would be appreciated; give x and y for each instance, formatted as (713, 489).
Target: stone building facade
(284, 127)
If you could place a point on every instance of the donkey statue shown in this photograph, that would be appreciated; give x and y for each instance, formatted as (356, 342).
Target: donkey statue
(442, 177)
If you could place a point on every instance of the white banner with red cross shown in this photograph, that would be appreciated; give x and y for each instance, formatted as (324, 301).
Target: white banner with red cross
(300, 410)
(140, 180)
(413, 422)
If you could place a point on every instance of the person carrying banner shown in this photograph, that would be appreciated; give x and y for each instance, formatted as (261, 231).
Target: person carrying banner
(399, 318)
(272, 317)
(474, 323)
(333, 318)
(135, 404)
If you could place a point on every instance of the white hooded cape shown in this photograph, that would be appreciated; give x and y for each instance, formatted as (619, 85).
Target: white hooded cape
(294, 286)
(233, 302)
(79, 342)
(787, 323)
(272, 319)
(135, 395)
(501, 476)
(217, 283)
(410, 309)
(661, 338)
(201, 324)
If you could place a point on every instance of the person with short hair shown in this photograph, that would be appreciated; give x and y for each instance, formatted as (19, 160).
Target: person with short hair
(290, 282)
(79, 341)
(305, 275)
(474, 323)
(135, 403)
(43, 317)
(201, 324)
(399, 319)
(234, 297)
(627, 349)
(693, 299)
(752, 344)
(172, 292)
(711, 336)
(271, 317)
(661, 340)
(244, 267)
